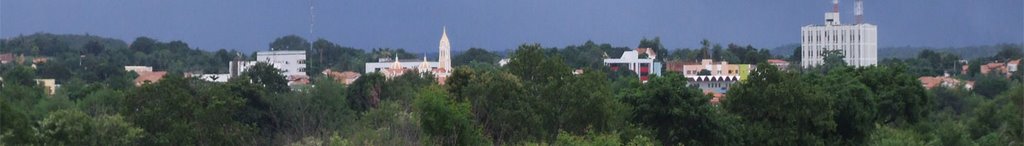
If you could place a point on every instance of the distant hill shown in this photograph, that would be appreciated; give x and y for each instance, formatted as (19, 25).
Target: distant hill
(784, 50)
(46, 40)
(968, 52)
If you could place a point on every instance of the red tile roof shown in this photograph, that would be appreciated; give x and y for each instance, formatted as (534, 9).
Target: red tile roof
(149, 77)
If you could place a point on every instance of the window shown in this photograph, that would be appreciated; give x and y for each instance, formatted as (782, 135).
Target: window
(303, 61)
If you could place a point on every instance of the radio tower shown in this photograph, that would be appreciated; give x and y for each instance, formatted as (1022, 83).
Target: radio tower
(312, 20)
(859, 11)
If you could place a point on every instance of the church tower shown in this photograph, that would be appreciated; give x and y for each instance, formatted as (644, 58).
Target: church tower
(445, 57)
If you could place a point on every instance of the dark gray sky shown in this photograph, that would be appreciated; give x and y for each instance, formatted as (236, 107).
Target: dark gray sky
(498, 25)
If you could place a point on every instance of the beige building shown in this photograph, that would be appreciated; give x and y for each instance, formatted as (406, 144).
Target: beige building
(50, 85)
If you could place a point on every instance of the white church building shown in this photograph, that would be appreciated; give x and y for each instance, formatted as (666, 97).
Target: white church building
(396, 67)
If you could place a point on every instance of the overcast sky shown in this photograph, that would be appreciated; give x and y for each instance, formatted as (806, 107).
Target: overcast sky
(499, 25)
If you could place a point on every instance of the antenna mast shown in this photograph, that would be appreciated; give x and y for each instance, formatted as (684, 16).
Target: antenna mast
(312, 21)
(835, 6)
(859, 11)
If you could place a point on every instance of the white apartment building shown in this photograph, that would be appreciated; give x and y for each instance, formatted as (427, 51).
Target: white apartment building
(858, 42)
(291, 63)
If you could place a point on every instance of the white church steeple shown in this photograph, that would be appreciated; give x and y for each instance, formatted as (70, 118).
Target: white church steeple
(444, 58)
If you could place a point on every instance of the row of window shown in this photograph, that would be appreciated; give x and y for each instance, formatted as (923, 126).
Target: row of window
(834, 38)
(719, 72)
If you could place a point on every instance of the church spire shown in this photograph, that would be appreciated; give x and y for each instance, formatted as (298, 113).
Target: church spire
(444, 51)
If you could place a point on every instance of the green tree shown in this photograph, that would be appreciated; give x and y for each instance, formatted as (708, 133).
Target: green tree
(502, 108)
(677, 113)
(268, 76)
(327, 55)
(365, 92)
(900, 96)
(19, 75)
(855, 104)
(530, 63)
(888, 136)
(16, 128)
(445, 121)
(175, 112)
(584, 103)
(290, 42)
(655, 44)
(73, 127)
(974, 68)
(780, 109)
(94, 48)
(991, 85)
(143, 44)
(475, 55)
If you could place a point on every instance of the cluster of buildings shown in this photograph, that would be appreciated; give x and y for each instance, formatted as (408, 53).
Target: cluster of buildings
(440, 69)
(293, 67)
(1003, 68)
(857, 42)
(50, 86)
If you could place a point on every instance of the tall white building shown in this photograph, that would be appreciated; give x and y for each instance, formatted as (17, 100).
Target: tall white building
(291, 63)
(858, 41)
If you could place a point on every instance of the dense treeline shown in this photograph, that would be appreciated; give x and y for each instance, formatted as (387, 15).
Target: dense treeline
(533, 100)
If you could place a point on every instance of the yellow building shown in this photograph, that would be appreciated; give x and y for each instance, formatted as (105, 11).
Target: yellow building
(50, 85)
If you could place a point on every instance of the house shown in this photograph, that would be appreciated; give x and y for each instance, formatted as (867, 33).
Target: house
(944, 81)
(1005, 68)
(6, 58)
(346, 77)
(149, 77)
(779, 63)
(49, 85)
(1012, 66)
(138, 69)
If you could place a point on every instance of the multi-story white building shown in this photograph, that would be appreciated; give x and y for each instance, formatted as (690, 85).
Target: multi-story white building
(858, 42)
(642, 66)
(291, 63)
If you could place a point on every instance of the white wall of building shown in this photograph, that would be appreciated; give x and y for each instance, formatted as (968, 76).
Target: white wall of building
(859, 43)
(380, 66)
(289, 62)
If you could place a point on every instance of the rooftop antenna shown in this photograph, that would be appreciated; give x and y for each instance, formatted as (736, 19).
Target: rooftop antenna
(835, 6)
(859, 11)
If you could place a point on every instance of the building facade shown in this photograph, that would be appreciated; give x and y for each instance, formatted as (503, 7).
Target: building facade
(711, 76)
(397, 67)
(858, 42)
(643, 66)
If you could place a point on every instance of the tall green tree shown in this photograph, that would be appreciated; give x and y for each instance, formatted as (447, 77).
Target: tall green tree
(500, 105)
(268, 76)
(73, 127)
(780, 109)
(900, 96)
(290, 42)
(677, 113)
(365, 92)
(175, 112)
(475, 55)
(446, 121)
